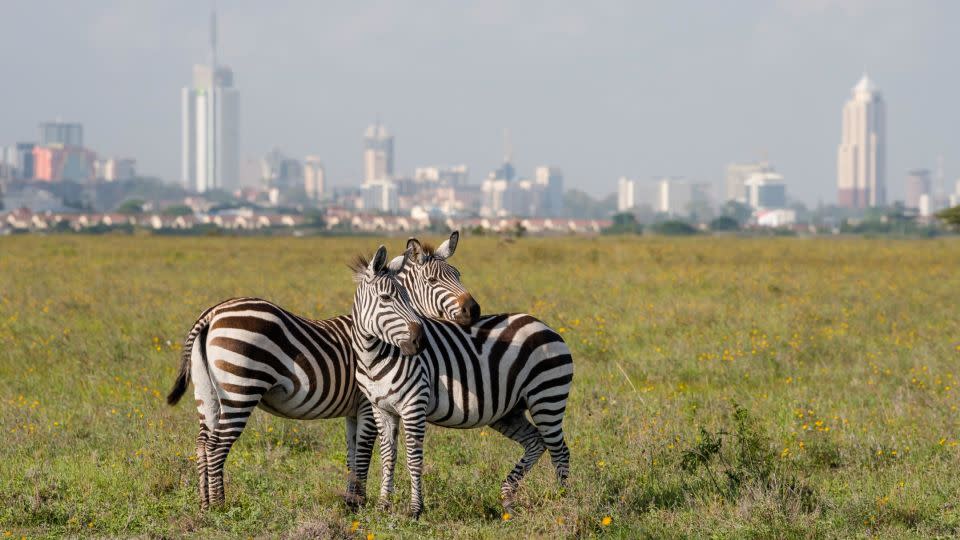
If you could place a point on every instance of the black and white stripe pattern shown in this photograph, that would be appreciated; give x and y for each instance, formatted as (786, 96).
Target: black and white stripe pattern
(246, 353)
(489, 373)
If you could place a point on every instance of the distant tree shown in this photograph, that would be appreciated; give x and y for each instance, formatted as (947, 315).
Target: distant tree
(518, 230)
(178, 210)
(950, 217)
(674, 228)
(624, 223)
(724, 223)
(737, 210)
(131, 206)
(578, 204)
(314, 217)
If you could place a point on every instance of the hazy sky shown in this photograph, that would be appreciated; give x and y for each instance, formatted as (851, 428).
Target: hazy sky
(600, 89)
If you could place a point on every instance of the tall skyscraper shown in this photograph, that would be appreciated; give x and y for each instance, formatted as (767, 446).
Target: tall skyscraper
(210, 123)
(377, 153)
(861, 158)
(64, 133)
(626, 194)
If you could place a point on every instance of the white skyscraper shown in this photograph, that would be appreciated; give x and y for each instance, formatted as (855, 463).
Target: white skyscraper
(210, 126)
(377, 153)
(861, 158)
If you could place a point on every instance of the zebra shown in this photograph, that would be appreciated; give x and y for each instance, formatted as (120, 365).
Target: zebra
(266, 356)
(245, 353)
(491, 373)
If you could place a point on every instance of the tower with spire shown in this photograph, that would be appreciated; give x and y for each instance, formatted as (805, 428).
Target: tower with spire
(210, 125)
(861, 156)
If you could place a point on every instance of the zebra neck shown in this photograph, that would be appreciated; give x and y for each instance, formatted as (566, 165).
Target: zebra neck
(370, 348)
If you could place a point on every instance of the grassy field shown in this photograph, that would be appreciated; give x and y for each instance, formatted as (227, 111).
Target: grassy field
(725, 387)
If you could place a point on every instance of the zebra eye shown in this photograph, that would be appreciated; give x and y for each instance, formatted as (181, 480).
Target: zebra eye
(432, 281)
(385, 298)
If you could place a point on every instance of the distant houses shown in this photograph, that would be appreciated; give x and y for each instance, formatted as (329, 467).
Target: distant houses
(336, 220)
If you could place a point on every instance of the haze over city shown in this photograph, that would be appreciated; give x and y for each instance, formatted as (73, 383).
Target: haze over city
(617, 89)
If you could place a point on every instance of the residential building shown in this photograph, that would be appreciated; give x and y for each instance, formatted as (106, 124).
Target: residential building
(380, 195)
(210, 112)
(861, 157)
(377, 153)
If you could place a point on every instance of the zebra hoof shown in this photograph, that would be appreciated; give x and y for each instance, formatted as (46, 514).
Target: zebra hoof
(383, 505)
(414, 514)
(354, 500)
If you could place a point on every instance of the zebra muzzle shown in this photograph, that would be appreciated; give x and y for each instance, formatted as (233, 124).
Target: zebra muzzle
(469, 310)
(414, 344)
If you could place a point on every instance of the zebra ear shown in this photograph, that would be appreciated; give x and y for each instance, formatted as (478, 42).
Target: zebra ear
(396, 264)
(378, 261)
(416, 249)
(448, 247)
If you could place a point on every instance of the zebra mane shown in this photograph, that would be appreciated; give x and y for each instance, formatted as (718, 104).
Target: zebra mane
(428, 250)
(359, 265)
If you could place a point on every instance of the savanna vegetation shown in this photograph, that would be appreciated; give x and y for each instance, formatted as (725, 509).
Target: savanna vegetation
(725, 387)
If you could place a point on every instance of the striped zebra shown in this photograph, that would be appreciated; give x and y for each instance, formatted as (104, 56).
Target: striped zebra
(245, 353)
(489, 374)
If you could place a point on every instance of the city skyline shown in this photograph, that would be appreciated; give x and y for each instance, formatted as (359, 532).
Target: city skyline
(653, 109)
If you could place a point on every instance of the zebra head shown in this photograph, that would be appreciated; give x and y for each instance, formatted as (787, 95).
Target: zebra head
(434, 284)
(382, 307)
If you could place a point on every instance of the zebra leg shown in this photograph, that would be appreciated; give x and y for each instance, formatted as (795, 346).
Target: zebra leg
(208, 411)
(350, 498)
(365, 439)
(230, 425)
(387, 426)
(549, 421)
(516, 427)
(202, 467)
(414, 426)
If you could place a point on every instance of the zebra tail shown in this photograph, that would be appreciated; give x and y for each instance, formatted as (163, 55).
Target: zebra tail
(183, 378)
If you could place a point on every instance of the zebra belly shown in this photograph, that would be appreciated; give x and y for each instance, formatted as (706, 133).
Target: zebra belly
(279, 404)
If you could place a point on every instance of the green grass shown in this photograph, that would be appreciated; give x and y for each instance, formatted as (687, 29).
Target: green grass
(841, 354)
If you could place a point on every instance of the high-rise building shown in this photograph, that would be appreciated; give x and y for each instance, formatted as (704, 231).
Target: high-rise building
(549, 182)
(210, 125)
(917, 185)
(377, 153)
(766, 190)
(861, 157)
(56, 163)
(314, 178)
(737, 174)
(64, 133)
